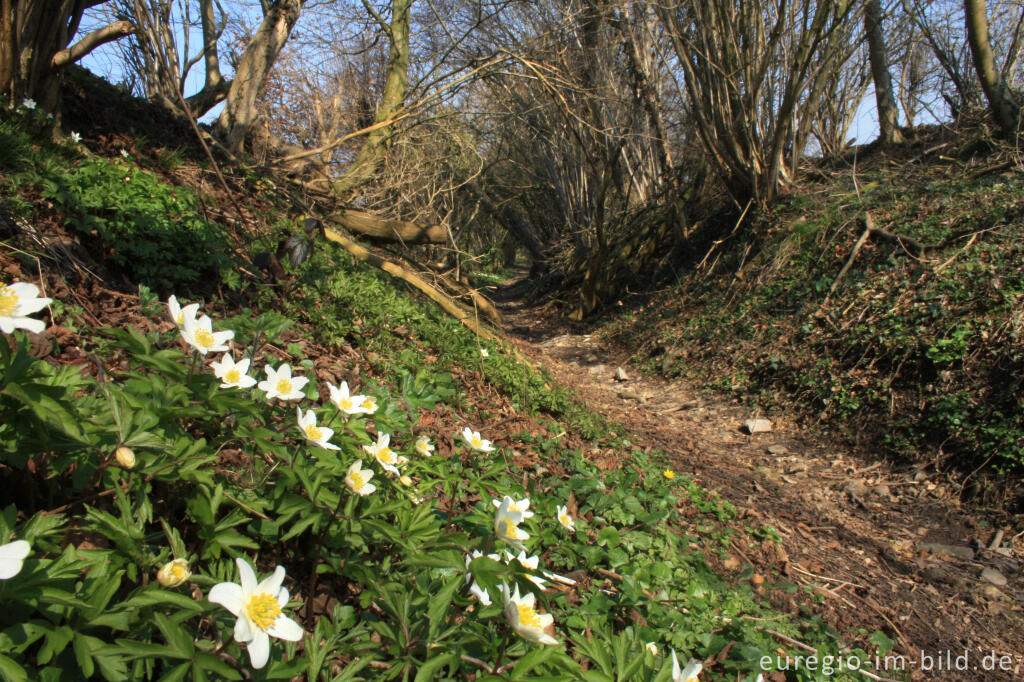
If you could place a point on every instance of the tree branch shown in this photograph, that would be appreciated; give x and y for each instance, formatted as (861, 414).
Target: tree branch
(89, 42)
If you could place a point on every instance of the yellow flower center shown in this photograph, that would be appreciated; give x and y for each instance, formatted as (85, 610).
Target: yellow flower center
(203, 338)
(529, 617)
(476, 442)
(345, 404)
(178, 570)
(357, 480)
(180, 318)
(313, 433)
(508, 528)
(385, 455)
(369, 404)
(515, 506)
(565, 519)
(232, 376)
(8, 301)
(284, 387)
(262, 610)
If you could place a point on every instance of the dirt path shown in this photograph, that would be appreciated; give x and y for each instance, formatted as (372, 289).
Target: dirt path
(880, 548)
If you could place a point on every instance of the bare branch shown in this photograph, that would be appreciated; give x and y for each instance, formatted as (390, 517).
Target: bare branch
(90, 41)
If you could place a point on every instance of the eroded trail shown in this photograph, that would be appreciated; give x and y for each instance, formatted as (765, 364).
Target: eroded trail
(877, 547)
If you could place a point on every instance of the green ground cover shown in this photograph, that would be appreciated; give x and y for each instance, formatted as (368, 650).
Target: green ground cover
(145, 565)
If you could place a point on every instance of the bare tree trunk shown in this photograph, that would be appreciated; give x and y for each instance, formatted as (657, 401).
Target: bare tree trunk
(34, 37)
(240, 111)
(888, 114)
(395, 85)
(215, 88)
(1001, 100)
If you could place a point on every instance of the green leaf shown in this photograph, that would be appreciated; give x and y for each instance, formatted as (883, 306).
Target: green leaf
(301, 525)
(155, 595)
(178, 673)
(216, 665)
(176, 636)
(608, 536)
(533, 659)
(11, 671)
(427, 670)
(82, 654)
(439, 603)
(135, 649)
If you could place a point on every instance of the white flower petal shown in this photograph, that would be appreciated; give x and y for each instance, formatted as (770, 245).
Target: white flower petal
(243, 631)
(33, 325)
(12, 556)
(228, 595)
(272, 584)
(246, 576)
(259, 649)
(285, 628)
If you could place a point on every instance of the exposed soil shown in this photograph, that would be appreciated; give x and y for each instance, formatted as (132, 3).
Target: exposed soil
(878, 547)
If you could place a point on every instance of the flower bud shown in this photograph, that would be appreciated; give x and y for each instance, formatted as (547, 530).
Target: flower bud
(653, 648)
(405, 480)
(125, 457)
(173, 573)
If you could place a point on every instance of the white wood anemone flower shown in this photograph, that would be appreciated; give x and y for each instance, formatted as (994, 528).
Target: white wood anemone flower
(424, 447)
(258, 608)
(345, 401)
(506, 524)
(199, 334)
(358, 479)
(232, 374)
(688, 674)
(384, 455)
(474, 440)
(522, 506)
(318, 435)
(475, 589)
(178, 313)
(566, 519)
(75, 137)
(532, 563)
(17, 301)
(12, 556)
(28, 103)
(281, 384)
(484, 353)
(369, 404)
(522, 615)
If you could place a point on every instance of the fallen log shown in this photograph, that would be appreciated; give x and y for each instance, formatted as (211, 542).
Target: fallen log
(365, 255)
(385, 229)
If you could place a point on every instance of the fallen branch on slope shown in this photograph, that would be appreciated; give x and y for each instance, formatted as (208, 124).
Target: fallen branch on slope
(365, 255)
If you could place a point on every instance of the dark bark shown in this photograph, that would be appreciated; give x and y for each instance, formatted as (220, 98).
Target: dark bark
(888, 113)
(1002, 102)
(34, 39)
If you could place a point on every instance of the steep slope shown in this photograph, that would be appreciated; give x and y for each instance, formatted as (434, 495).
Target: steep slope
(155, 486)
(882, 299)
